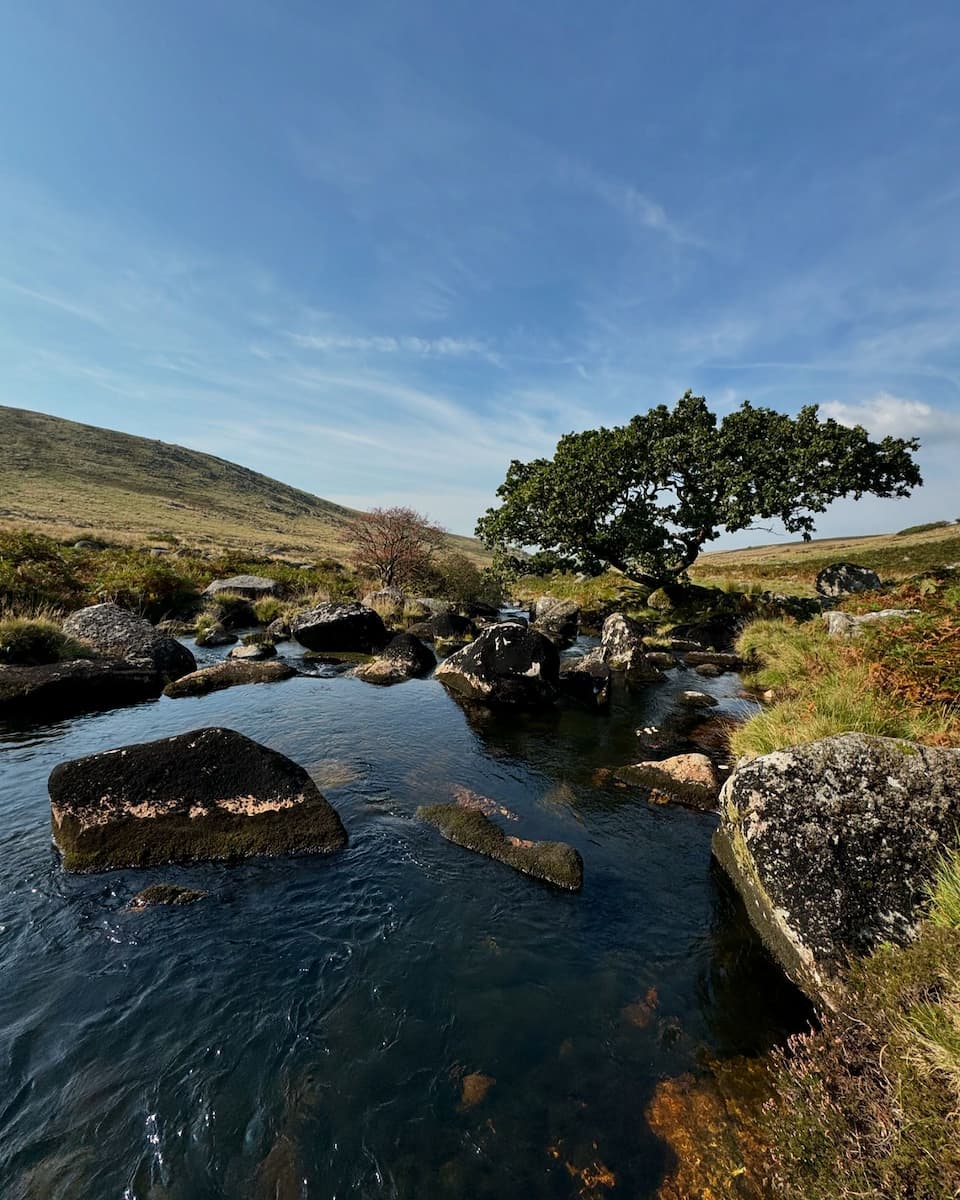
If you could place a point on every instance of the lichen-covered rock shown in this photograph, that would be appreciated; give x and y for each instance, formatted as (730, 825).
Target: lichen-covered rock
(844, 579)
(832, 845)
(586, 680)
(690, 778)
(116, 633)
(254, 587)
(622, 641)
(208, 794)
(509, 664)
(551, 862)
(850, 625)
(229, 673)
(405, 657)
(558, 620)
(340, 627)
(82, 685)
(278, 630)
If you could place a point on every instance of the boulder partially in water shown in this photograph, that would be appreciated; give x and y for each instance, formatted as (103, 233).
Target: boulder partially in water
(229, 673)
(165, 893)
(552, 862)
(508, 664)
(81, 685)
(215, 635)
(209, 794)
(333, 627)
(586, 680)
(116, 633)
(833, 844)
(444, 627)
(405, 657)
(689, 778)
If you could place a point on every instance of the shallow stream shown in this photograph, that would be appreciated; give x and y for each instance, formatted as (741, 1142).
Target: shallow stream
(316, 1027)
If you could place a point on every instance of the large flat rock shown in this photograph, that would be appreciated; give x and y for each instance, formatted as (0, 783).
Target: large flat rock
(209, 794)
(81, 685)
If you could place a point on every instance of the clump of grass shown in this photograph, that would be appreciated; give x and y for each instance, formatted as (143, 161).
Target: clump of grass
(824, 686)
(36, 640)
(268, 609)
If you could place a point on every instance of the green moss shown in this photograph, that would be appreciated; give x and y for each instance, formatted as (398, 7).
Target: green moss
(552, 862)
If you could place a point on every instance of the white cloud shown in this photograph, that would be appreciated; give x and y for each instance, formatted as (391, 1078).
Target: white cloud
(442, 347)
(896, 416)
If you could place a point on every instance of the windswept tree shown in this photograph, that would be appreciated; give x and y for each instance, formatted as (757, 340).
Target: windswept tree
(392, 545)
(645, 497)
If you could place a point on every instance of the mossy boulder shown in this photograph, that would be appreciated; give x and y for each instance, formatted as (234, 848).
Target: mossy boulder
(508, 664)
(209, 794)
(116, 633)
(833, 844)
(552, 862)
(230, 673)
(335, 627)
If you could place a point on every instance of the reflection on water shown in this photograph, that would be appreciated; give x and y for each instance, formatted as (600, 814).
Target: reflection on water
(401, 1019)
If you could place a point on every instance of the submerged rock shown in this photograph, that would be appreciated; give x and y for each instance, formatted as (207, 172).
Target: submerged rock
(57, 689)
(208, 794)
(229, 673)
(832, 846)
(340, 627)
(845, 579)
(690, 778)
(165, 893)
(551, 862)
(508, 664)
(252, 587)
(116, 633)
(406, 657)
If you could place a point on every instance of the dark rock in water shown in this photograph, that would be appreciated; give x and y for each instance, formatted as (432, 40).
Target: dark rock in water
(586, 680)
(717, 630)
(844, 579)
(709, 670)
(695, 699)
(208, 794)
(663, 660)
(278, 630)
(833, 844)
(254, 651)
(253, 587)
(508, 664)
(479, 610)
(558, 620)
(444, 627)
(57, 689)
(215, 635)
(340, 627)
(165, 893)
(689, 778)
(229, 673)
(406, 657)
(116, 633)
(552, 862)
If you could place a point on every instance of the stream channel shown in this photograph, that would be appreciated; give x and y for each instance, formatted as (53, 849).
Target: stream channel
(318, 1027)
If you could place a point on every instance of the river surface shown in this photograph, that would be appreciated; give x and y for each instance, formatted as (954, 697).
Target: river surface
(316, 1026)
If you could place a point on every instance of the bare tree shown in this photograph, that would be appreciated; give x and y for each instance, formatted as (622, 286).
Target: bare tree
(392, 544)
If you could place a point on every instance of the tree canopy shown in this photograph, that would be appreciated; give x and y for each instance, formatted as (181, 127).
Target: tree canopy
(392, 545)
(646, 496)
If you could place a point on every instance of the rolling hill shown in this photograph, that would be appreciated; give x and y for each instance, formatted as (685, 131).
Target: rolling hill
(70, 480)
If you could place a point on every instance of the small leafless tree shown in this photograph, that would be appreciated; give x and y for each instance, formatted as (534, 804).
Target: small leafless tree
(392, 545)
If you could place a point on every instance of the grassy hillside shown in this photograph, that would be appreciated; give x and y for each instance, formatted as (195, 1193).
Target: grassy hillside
(69, 480)
(793, 567)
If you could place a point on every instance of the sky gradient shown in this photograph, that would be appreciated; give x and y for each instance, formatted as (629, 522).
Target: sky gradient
(378, 250)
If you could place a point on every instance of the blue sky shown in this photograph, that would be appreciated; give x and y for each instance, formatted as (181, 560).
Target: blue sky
(378, 250)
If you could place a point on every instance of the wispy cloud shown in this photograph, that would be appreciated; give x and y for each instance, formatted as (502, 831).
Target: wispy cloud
(425, 347)
(886, 415)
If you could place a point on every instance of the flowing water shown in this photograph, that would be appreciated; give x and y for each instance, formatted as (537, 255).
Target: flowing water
(401, 1019)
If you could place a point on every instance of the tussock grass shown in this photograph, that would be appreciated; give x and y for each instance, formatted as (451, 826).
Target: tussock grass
(36, 639)
(825, 686)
